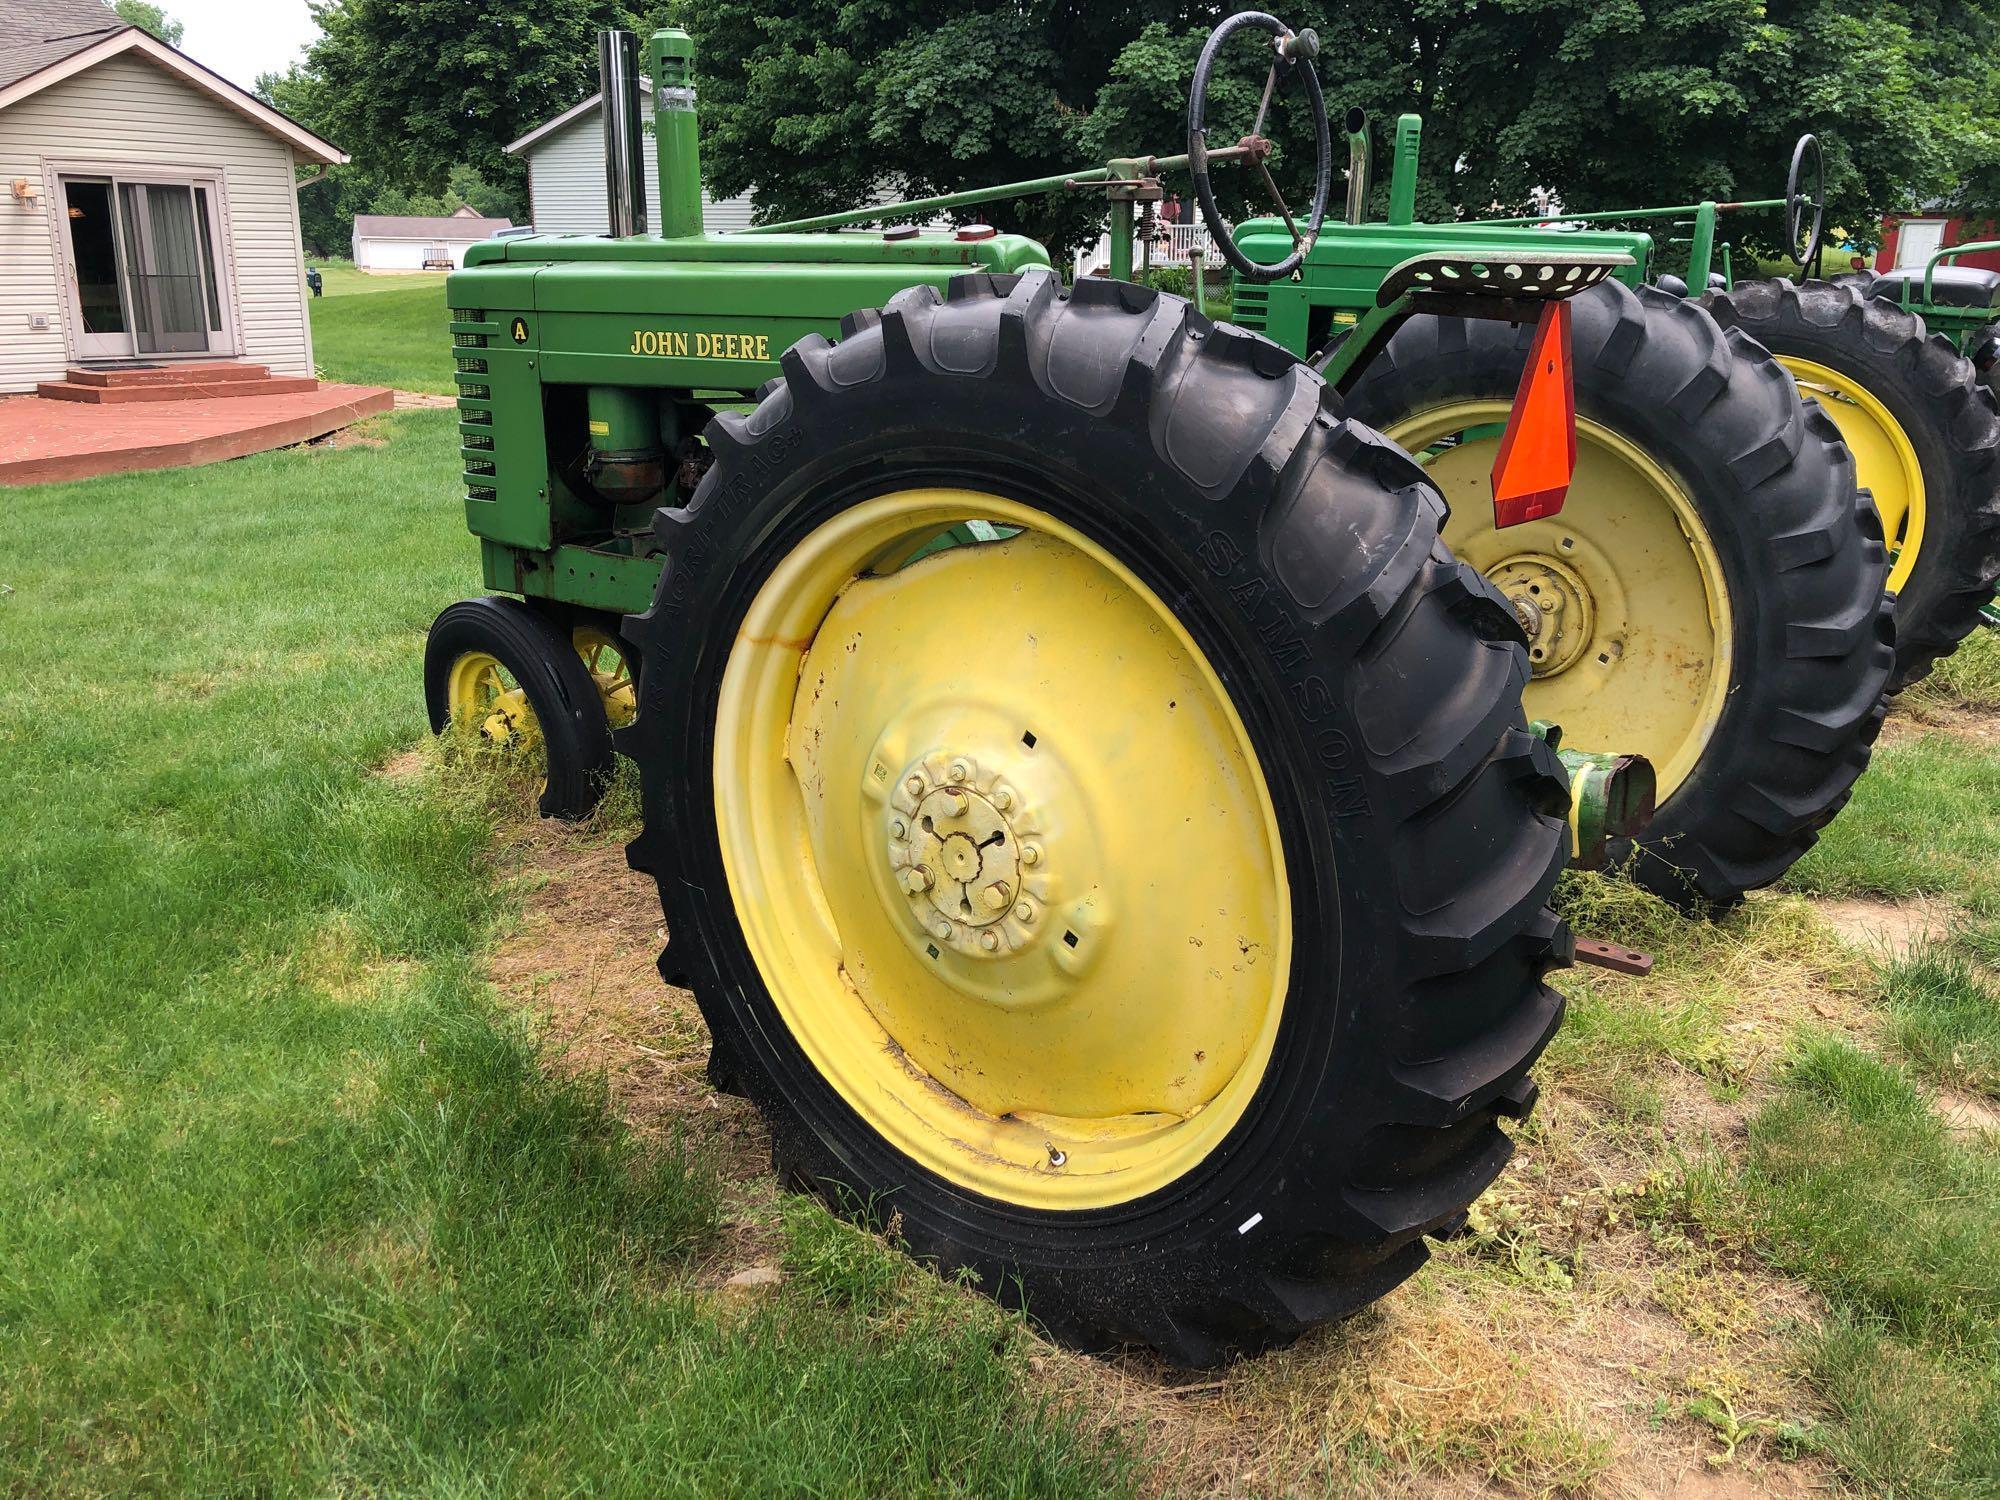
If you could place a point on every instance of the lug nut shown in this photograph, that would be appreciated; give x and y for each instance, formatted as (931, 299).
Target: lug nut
(1024, 912)
(954, 802)
(897, 827)
(1031, 854)
(997, 896)
(960, 770)
(914, 786)
(1002, 798)
(941, 929)
(990, 941)
(916, 880)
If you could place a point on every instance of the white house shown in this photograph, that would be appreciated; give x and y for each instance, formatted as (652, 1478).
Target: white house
(566, 192)
(389, 242)
(147, 205)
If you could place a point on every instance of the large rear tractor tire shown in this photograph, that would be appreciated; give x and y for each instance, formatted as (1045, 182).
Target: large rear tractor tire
(1141, 906)
(532, 687)
(1925, 434)
(1711, 594)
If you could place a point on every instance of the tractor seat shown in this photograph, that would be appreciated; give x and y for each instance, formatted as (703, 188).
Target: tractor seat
(1952, 286)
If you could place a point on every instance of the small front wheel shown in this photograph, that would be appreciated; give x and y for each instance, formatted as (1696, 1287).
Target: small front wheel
(502, 670)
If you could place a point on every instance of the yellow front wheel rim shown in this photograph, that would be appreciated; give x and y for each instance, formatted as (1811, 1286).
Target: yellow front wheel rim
(610, 671)
(1885, 460)
(1622, 595)
(1002, 851)
(484, 699)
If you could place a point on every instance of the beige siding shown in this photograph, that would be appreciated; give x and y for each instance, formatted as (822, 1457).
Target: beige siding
(566, 185)
(127, 111)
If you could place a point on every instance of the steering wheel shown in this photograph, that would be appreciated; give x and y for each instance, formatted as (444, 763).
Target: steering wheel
(1804, 241)
(1291, 55)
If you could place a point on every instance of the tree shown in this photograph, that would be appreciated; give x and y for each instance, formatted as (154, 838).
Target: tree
(149, 17)
(814, 104)
(329, 200)
(420, 86)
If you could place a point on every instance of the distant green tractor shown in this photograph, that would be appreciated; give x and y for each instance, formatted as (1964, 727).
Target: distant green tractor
(1710, 594)
(1902, 361)
(1091, 803)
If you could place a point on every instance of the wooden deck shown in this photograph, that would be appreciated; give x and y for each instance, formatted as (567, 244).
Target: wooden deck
(113, 422)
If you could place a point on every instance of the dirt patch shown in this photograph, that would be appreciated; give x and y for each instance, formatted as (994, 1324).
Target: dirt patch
(1885, 929)
(422, 401)
(408, 766)
(1574, 1345)
(1966, 1114)
(1915, 717)
(582, 961)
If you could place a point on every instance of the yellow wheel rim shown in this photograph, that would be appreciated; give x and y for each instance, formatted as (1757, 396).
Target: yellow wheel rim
(609, 668)
(1622, 594)
(484, 699)
(1885, 460)
(1002, 851)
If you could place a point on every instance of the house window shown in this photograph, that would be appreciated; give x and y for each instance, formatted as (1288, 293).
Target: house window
(1917, 240)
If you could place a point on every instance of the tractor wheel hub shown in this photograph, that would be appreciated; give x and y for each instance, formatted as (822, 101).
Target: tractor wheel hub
(959, 835)
(1554, 606)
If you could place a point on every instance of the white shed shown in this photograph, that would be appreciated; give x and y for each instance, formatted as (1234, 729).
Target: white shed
(566, 192)
(149, 208)
(393, 242)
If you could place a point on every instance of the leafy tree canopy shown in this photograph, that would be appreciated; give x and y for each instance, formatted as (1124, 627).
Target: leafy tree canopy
(819, 104)
(1609, 102)
(148, 17)
(416, 87)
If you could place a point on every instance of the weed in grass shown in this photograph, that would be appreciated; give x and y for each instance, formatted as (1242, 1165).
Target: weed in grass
(839, 1261)
(1945, 1016)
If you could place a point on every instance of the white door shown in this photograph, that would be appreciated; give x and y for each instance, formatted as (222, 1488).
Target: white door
(1917, 240)
(96, 289)
(144, 276)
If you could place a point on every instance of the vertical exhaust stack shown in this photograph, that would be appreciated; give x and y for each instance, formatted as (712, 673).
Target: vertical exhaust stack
(1357, 166)
(624, 145)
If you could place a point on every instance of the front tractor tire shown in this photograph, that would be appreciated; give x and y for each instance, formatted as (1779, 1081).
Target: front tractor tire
(533, 688)
(1711, 594)
(1140, 904)
(1923, 429)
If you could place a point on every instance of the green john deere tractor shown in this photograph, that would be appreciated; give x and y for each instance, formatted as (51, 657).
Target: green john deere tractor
(1710, 594)
(1901, 361)
(1091, 803)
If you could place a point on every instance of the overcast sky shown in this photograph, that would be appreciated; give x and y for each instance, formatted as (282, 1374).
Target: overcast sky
(242, 38)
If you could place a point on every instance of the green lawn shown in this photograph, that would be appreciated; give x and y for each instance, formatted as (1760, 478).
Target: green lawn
(383, 330)
(285, 1203)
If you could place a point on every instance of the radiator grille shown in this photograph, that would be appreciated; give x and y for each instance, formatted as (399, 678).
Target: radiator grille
(1252, 308)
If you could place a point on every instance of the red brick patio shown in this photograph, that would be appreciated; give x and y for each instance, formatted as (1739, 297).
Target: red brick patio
(75, 433)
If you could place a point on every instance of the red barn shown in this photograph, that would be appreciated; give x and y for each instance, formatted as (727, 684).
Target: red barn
(1911, 239)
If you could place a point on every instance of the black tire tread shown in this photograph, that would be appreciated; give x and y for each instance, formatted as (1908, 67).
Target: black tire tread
(1799, 735)
(1445, 1056)
(1868, 337)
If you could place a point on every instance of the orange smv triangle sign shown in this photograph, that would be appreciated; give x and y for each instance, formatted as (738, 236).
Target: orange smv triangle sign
(1538, 450)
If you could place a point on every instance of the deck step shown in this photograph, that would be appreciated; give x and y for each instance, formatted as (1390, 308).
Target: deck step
(206, 390)
(183, 373)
